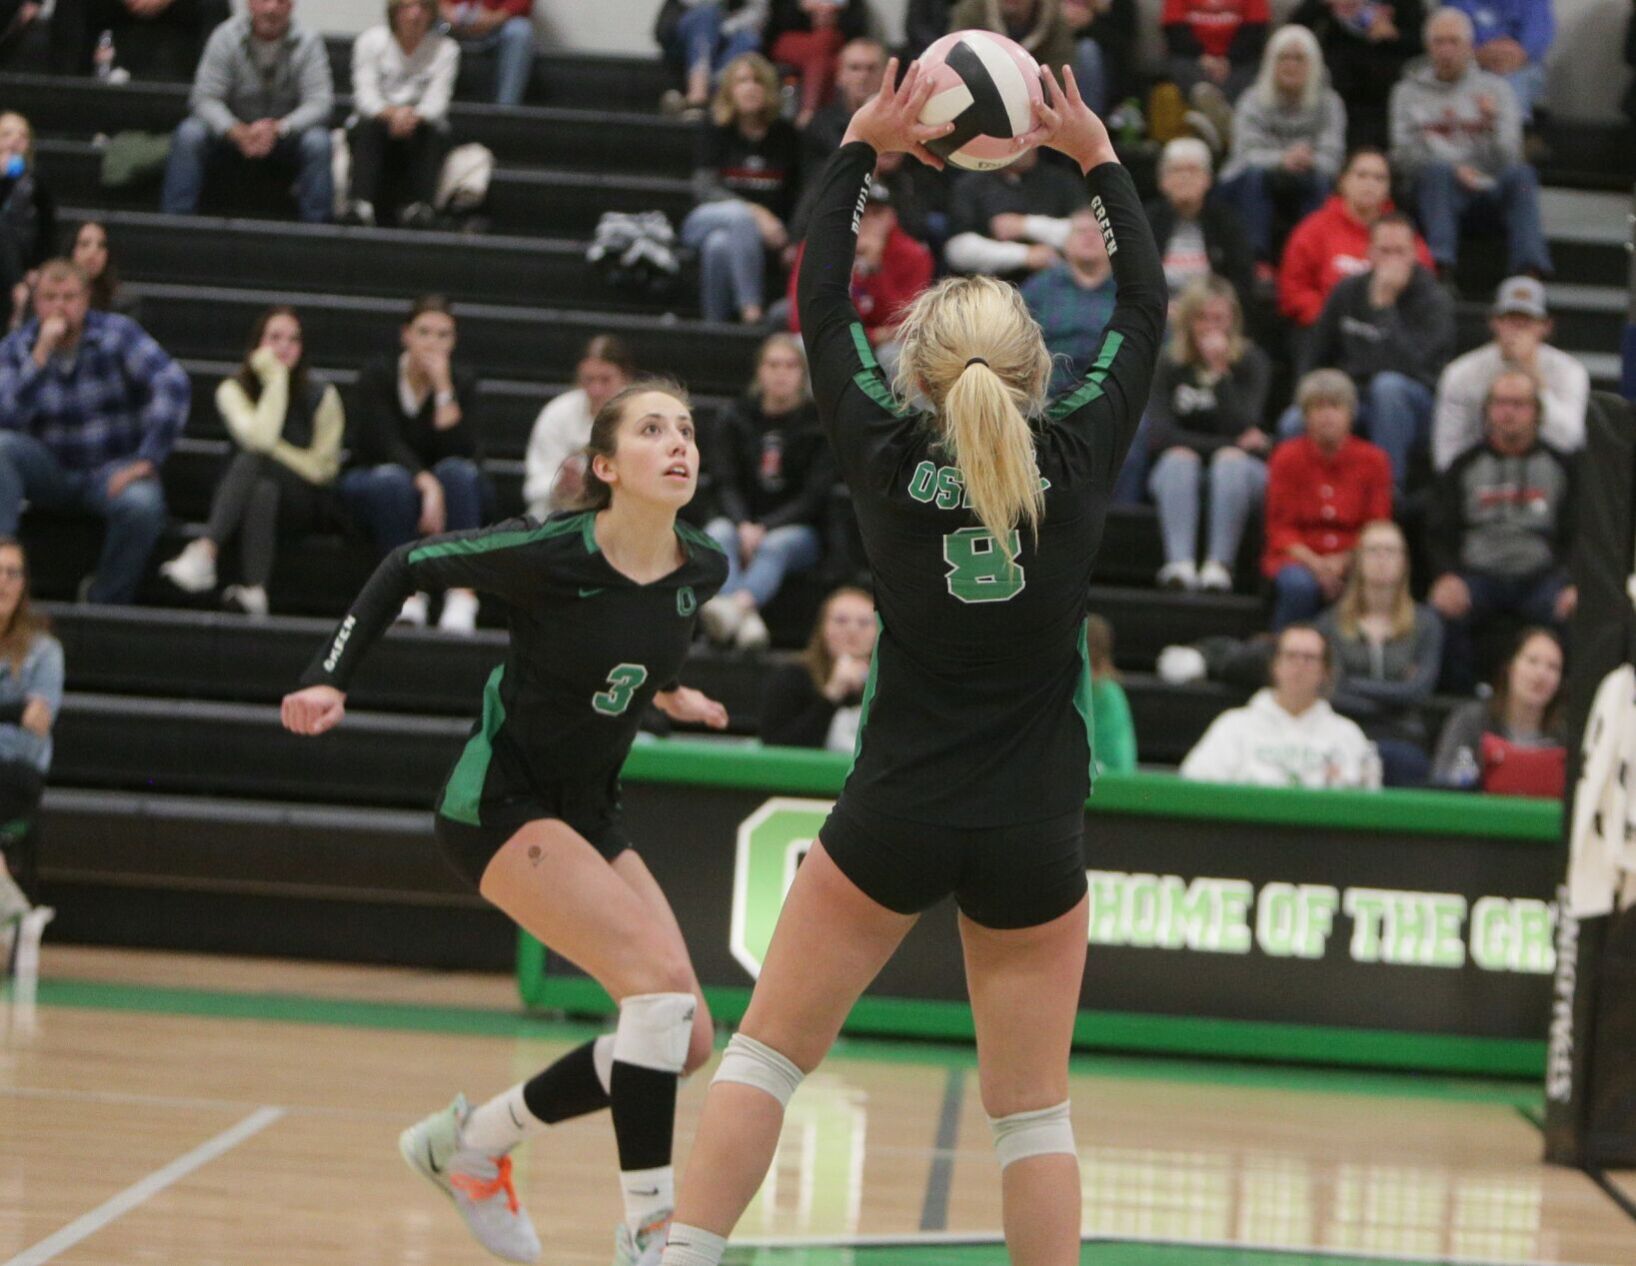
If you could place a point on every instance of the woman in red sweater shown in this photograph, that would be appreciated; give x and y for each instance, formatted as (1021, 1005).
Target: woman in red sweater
(1322, 487)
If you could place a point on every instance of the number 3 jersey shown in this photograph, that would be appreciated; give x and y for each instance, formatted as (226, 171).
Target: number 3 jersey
(977, 711)
(589, 648)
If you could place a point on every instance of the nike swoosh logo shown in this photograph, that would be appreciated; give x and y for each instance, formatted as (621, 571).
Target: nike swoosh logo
(651, 1191)
(432, 1160)
(589, 593)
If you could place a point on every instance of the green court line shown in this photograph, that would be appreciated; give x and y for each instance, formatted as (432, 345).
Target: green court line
(1092, 1253)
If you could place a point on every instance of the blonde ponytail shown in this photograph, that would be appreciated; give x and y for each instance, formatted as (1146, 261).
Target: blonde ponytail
(988, 439)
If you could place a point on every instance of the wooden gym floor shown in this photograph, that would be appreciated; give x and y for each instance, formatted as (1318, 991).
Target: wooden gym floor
(190, 1111)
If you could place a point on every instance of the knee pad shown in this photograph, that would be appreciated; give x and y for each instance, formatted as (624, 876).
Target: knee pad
(654, 1030)
(751, 1063)
(1042, 1132)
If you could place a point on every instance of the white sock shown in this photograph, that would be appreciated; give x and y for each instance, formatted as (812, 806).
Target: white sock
(690, 1246)
(500, 1124)
(650, 1194)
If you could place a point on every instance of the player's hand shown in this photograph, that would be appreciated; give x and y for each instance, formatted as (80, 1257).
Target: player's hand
(1066, 124)
(890, 120)
(691, 707)
(315, 710)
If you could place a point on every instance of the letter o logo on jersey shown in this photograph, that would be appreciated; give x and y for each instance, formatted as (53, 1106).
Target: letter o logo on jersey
(686, 602)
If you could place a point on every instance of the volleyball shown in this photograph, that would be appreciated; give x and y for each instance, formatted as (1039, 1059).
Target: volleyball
(986, 85)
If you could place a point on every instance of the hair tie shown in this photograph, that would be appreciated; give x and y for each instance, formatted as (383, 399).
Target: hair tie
(976, 360)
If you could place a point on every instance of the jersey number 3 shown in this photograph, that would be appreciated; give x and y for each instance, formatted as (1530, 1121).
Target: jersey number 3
(623, 682)
(978, 572)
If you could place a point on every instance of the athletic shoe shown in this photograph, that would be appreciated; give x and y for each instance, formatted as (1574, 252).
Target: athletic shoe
(250, 600)
(721, 617)
(413, 611)
(645, 1246)
(459, 613)
(752, 633)
(1215, 578)
(1178, 575)
(193, 570)
(479, 1185)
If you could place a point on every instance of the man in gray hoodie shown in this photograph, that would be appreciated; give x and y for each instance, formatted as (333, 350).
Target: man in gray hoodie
(263, 92)
(1457, 138)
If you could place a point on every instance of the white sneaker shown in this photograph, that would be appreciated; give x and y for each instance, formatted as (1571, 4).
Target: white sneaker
(250, 600)
(752, 633)
(479, 1185)
(193, 570)
(413, 611)
(459, 613)
(1215, 578)
(1178, 575)
(645, 1246)
(721, 617)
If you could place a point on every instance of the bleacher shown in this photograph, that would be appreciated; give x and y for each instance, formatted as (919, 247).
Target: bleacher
(179, 812)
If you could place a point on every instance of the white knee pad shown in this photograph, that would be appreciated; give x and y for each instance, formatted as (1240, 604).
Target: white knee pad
(750, 1063)
(1043, 1132)
(654, 1030)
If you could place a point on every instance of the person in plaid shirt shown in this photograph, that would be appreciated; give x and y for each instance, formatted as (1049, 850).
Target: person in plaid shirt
(89, 408)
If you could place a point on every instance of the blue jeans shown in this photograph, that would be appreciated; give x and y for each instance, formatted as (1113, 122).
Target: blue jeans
(793, 547)
(385, 502)
(1529, 86)
(1238, 484)
(1091, 70)
(514, 38)
(1444, 203)
(29, 471)
(1296, 596)
(1130, 486)
(1253, 193)
(699, 33)
(732, 259)
(193, 150)
(1394, 411)
(1402, 763)
(1532, 599)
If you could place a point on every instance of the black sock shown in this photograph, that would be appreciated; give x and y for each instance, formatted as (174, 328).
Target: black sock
(644, 1115)
(569, 1088)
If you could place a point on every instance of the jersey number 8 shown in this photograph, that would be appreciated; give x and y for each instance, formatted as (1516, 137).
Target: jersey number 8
(623, 682)
(978, 572)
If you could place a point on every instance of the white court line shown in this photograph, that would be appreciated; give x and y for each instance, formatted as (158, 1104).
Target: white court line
(141, 1192)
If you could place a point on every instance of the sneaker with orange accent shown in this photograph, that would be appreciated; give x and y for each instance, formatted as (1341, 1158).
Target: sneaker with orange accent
(643, 1247)
(479, 1184)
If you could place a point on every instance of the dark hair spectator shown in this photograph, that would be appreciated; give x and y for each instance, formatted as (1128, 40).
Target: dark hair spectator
(288, 430)
(263, 94)
(1387, 650)
(90, 406)
(1322, 487)
(1011, 222)
(1207, 405)
(87, 246)
(413, 450)
(403, 75)
(746, 180)
(149, 41)
(817, 701)
(1514, 743)
(1114, 733)
(1365, 46)
(504, 28)
(700, 39)
(30, 699)
(808, 35)
(28, 212)
(554, 466)
(1196, 236)
(1501, 522)
(772, 470)
(1073, 301)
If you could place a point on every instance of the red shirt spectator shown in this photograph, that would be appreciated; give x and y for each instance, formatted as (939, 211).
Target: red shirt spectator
(891, 269)
(1210, 26)
(1321, 501)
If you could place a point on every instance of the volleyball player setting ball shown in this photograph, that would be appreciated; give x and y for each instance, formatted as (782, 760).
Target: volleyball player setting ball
(603, 604)
(980, 518)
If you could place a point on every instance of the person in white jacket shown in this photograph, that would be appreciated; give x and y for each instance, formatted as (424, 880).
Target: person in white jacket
(554, 467)
(403, 76)
(1287, 735)
(1521, 326)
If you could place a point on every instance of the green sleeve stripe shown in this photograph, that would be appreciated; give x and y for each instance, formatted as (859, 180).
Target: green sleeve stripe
(1091, 388)
(463, 793)
(497, 540)
(1085, 706)
(870, 384)
(866, 354)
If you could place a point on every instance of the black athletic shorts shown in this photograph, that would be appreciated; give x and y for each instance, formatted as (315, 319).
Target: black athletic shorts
(1001, 877)
(590, 811)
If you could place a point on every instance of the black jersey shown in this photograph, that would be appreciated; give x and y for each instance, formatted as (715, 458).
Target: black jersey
(978, 707)
(589, 648)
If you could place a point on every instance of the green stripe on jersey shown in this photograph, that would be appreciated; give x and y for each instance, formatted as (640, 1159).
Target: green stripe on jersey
(866, 353)
(463, 794)
(1084, 705)
(868, 691)
(870, 380)
(498, 540)
(1091, 388)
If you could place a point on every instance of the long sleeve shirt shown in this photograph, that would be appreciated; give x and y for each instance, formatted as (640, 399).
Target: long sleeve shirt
(41, 677)
(1532, 23)
(765, 171)
(1502, 515)
(1263, 130)
(230, 87)
(1413, 336)
(769, 468)
(1189, 409)
(1323, 500)
(117, 396)
(1564, 389)
(559, 436)
(1384, 680)
(1444, 121)
(259, 425)
(1234, 29)
(384, 75)
(384, 432)
(1325, 249)
(1072, 317)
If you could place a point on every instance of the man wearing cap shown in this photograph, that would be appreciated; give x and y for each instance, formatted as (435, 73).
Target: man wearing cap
(1520, 326)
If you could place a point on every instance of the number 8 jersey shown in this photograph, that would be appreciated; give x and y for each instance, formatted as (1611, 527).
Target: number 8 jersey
(977, 711)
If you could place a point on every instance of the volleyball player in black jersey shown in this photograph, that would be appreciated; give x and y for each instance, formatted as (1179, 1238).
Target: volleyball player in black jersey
(602, 609)
(981, 520)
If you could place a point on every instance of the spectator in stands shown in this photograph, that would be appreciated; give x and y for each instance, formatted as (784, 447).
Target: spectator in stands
(1365, 45)
(1196, 236)
(1207, 405)
(90, 406)
(858, 72)
(1013, 221)
(1514, 742)
(1510, 39)
(263, 92)
(1289, 139)
(1332, 243)
(28, 212)
(772, 471)
(817, 700)
(704, 37)
(746, 180)
(87, 246)
(888, 271)
(924, 23)
(1104, 34)
(1322, 487)
(1457, 139)
(502, 27)
(413, 451)
(808, 35)
(30, 699)
(403, 74)
(1073, 300)
(1287, 735)
(1212, 48)
(288, 431)
(153, 39)
(1387, 650)
(554, 469)
(1499, 530)
(1043, 28)
(1391, 330)
(1114, 733)
(1521, 326)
